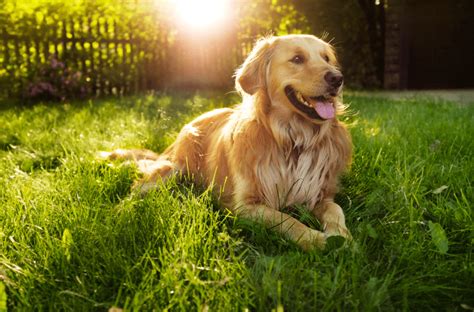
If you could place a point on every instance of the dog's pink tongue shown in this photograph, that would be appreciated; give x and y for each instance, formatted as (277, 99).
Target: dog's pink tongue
(325, 109)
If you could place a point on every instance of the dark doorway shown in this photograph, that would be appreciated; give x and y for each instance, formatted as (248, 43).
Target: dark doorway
(438, 47)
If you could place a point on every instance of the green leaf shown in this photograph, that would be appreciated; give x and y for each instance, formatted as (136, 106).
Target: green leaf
(438, 237)
(334, 242)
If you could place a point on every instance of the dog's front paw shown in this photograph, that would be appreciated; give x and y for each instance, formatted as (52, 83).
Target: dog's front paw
(311, 240)
(335, 229)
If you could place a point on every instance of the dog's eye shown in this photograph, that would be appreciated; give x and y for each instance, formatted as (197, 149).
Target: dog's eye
(326, 57)
(297, 59)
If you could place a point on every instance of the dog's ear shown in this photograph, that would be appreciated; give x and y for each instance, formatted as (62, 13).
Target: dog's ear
(251, 75)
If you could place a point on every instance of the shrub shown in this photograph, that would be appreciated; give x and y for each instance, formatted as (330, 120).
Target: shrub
(55, 81)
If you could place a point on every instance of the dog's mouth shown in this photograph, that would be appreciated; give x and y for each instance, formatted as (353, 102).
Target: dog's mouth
(315, 107)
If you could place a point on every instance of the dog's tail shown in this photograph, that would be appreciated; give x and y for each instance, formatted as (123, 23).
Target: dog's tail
(153, 167)
(130, 155)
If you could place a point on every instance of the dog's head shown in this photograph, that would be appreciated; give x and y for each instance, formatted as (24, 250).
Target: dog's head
(299, 73)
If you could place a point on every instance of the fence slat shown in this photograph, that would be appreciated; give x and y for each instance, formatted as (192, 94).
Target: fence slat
(18, 61)
(37, 43)
(93, 76)
(46, 40)
(107, 53)
(64, 41)
(100, 67)
(6, 59)
(74, 58)
(56, 35)
(134, 84)
(82, 25)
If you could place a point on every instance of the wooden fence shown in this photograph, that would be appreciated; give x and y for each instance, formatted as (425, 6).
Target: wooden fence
(114, 57)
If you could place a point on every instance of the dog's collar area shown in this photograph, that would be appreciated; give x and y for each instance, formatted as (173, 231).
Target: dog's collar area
(309, 106)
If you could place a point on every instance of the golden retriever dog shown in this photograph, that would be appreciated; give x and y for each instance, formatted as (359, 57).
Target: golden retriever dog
(283, 145)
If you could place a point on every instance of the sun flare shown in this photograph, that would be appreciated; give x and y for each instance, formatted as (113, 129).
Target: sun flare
(202, 13)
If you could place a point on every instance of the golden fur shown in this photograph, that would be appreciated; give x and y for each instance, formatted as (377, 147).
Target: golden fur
(265, 154)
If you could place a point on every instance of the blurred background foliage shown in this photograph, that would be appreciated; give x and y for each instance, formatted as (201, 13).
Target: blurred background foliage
(120, 47)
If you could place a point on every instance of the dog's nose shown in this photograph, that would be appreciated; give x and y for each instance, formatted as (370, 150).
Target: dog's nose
(334, 79)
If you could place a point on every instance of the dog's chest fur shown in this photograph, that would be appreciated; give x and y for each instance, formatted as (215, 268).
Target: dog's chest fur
(297, 168)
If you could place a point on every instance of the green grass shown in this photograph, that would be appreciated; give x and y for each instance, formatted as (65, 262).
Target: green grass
(73, 238)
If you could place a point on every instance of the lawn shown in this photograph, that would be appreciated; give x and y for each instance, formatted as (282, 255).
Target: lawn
(72, 237)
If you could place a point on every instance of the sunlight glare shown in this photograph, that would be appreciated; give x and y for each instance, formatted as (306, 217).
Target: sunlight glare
(202, 13)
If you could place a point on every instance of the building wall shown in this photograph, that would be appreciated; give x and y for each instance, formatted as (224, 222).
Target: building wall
(392, 79)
